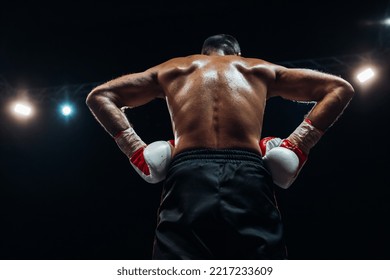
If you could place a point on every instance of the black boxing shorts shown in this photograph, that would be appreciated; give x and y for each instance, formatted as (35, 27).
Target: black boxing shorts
(218, 204)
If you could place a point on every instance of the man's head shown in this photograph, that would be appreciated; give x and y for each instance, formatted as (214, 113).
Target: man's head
(221, 43)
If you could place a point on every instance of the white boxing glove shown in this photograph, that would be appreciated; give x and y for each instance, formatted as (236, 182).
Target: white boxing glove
(284, 158)
(150, 161)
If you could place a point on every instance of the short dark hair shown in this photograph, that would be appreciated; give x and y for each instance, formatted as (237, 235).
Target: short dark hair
(224, 42)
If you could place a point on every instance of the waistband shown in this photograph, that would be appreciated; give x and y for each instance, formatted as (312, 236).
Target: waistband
(218, 154)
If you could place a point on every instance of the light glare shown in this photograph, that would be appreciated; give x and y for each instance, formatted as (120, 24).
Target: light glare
(365, 75)
(66, 110)
(22, 109)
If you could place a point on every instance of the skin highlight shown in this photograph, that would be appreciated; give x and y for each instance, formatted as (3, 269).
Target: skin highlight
(218, 100)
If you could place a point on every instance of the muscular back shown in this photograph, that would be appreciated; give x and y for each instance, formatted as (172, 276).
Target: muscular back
(215, 101)
(218, 101)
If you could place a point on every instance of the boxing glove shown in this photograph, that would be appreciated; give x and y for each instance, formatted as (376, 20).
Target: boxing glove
(285, 158)
(282, 159)
(151, 161)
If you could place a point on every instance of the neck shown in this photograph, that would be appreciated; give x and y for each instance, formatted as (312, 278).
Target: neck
(216, 53)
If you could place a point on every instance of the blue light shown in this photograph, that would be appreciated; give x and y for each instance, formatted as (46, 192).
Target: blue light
(66, 110)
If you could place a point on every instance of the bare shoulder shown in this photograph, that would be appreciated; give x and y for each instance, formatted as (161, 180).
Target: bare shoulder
(177, 62)
(175, 67)
(260, 68)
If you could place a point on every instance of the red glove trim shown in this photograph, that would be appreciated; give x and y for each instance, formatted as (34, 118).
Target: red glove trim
(139, 161)
(301, 156)
(263, 144)
(172, 142)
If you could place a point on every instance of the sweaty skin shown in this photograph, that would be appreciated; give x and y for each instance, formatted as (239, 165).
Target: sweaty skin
(215, 101)
(218, 101)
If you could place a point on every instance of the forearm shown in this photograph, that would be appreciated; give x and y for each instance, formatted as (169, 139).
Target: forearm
(107, 112)
(114, 121)
(330, 108)
(321, 117)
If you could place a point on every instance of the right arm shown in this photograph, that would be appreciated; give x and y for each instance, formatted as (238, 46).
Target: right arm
(284, 158)
(331, 93)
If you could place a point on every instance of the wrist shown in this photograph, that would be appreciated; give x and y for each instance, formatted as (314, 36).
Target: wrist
(128, 141)
(305, 136)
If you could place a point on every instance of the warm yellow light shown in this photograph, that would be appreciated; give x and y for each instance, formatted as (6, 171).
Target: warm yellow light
(365, 75)
(22, 109)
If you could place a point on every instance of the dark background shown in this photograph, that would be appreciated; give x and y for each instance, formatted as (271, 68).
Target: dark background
(66, 190)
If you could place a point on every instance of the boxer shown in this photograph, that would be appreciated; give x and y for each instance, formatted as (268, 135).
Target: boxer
(219, 173)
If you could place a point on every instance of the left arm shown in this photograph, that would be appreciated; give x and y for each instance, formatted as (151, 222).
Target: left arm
(132, 90)
(105, 102)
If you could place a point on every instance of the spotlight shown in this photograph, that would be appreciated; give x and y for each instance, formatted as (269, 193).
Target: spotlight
(66, 110)
(22, 109)
(386, 21)
(365, 75)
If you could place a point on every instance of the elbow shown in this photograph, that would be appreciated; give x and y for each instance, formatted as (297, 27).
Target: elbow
(88, 100)
(97, 97)
(346, 91)
(91, 98)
